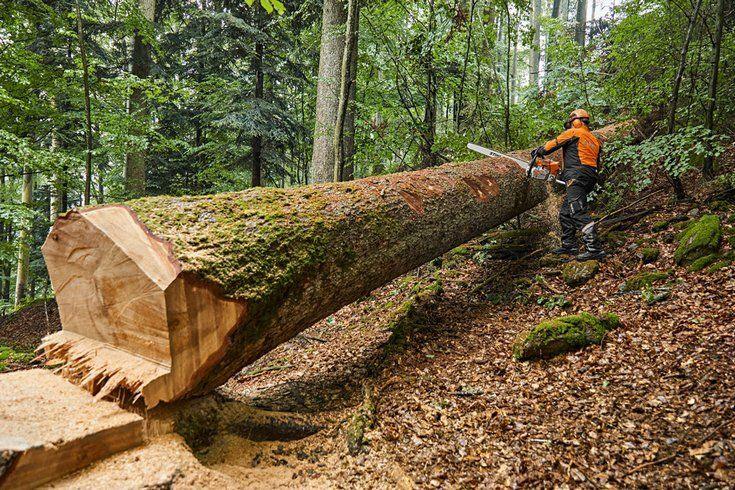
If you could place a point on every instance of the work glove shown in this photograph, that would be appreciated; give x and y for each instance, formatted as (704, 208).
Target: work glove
(538, 152)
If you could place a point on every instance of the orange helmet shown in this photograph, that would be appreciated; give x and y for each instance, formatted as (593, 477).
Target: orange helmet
(577, 117)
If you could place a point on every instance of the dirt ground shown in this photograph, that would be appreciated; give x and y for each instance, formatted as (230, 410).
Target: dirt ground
(25, 328)
(651, 407)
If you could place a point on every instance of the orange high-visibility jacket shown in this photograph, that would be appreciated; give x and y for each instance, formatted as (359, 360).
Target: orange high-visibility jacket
(579, 147)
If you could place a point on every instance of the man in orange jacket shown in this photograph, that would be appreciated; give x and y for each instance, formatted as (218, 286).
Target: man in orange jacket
(581, 153)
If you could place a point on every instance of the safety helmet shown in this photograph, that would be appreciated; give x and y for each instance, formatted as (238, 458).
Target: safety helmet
(577, 118)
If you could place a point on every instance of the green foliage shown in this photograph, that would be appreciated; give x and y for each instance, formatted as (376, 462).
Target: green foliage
(554, 301)
(676, 153)
(9, 355)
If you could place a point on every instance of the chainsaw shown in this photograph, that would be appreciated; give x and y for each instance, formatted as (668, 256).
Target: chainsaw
(537, 168)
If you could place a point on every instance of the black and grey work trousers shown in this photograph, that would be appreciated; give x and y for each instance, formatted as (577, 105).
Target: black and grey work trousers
(573, 214)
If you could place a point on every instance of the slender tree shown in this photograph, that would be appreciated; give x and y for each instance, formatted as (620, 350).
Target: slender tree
(135, 161)
(334, 17)
(709, 121)
(428, 136)
(534, 53)
(24, 250)
(580, 29)
(675, 180)
(346, 80)
(87, 110)
(349, 130)
(257, 140)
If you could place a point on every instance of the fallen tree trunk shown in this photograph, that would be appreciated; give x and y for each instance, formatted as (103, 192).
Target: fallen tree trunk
(167, 297)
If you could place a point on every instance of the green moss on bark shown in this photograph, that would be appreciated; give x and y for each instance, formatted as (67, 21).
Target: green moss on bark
(255, 243)
(700, 239)
(563, 334)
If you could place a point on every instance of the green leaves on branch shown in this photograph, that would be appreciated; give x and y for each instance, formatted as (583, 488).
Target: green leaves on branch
(269, 5)
(676, 153)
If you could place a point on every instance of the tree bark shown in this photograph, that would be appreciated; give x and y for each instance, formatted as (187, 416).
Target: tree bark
(345, 86)
(514, 71)
(334, 17)
(506, 108)
(581, 25)
(135, 161)
(709, 122)
(87, 111)
(351, 117)
(534, 61)
(190, 290)
(675, 180)
(428, 130)
(257, 142)
(24, 251)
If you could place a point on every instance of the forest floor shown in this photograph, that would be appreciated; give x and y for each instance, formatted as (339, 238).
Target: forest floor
(417, 387)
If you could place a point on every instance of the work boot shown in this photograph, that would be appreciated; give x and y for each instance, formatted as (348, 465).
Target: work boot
(566, 250)
(593, 250)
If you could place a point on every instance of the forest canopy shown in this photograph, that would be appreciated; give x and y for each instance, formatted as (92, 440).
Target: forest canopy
(105, 100)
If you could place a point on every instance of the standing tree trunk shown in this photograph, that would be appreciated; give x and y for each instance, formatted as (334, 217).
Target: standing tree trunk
(334, 16)
(460, 102)
(345, 85)
(428, 133)
(351, 117)
(24, 250)
(135, 160)
(675, 180)
(56, 176)
(709, 122)
(514, 70)
(87, 111)
(257, 142)
(6, 235)
(581, 26)
(506, 109)
(534, 61)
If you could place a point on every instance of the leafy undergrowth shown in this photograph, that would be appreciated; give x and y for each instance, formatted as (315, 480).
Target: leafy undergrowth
(652, 405)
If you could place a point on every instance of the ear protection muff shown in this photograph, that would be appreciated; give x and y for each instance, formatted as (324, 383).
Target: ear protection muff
(567, 125)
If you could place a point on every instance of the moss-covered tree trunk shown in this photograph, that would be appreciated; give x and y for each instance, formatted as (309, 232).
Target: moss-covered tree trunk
(203, 286)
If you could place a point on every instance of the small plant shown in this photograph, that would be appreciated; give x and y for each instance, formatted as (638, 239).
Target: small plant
(555, 301)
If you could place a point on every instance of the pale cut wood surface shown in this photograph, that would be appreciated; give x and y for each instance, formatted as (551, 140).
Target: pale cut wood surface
(50, 427)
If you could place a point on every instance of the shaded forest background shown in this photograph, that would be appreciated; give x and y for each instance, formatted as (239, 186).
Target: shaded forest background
(107, 100)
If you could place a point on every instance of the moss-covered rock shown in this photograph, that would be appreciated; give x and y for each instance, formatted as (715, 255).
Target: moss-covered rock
(549, 260)
(643, 280)
(577, 273)
(660, 226)
(702, 262)
(615, 239)
(721, 206)
(720, 264)
(563, 334)
(649, 255)
(701, 238)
